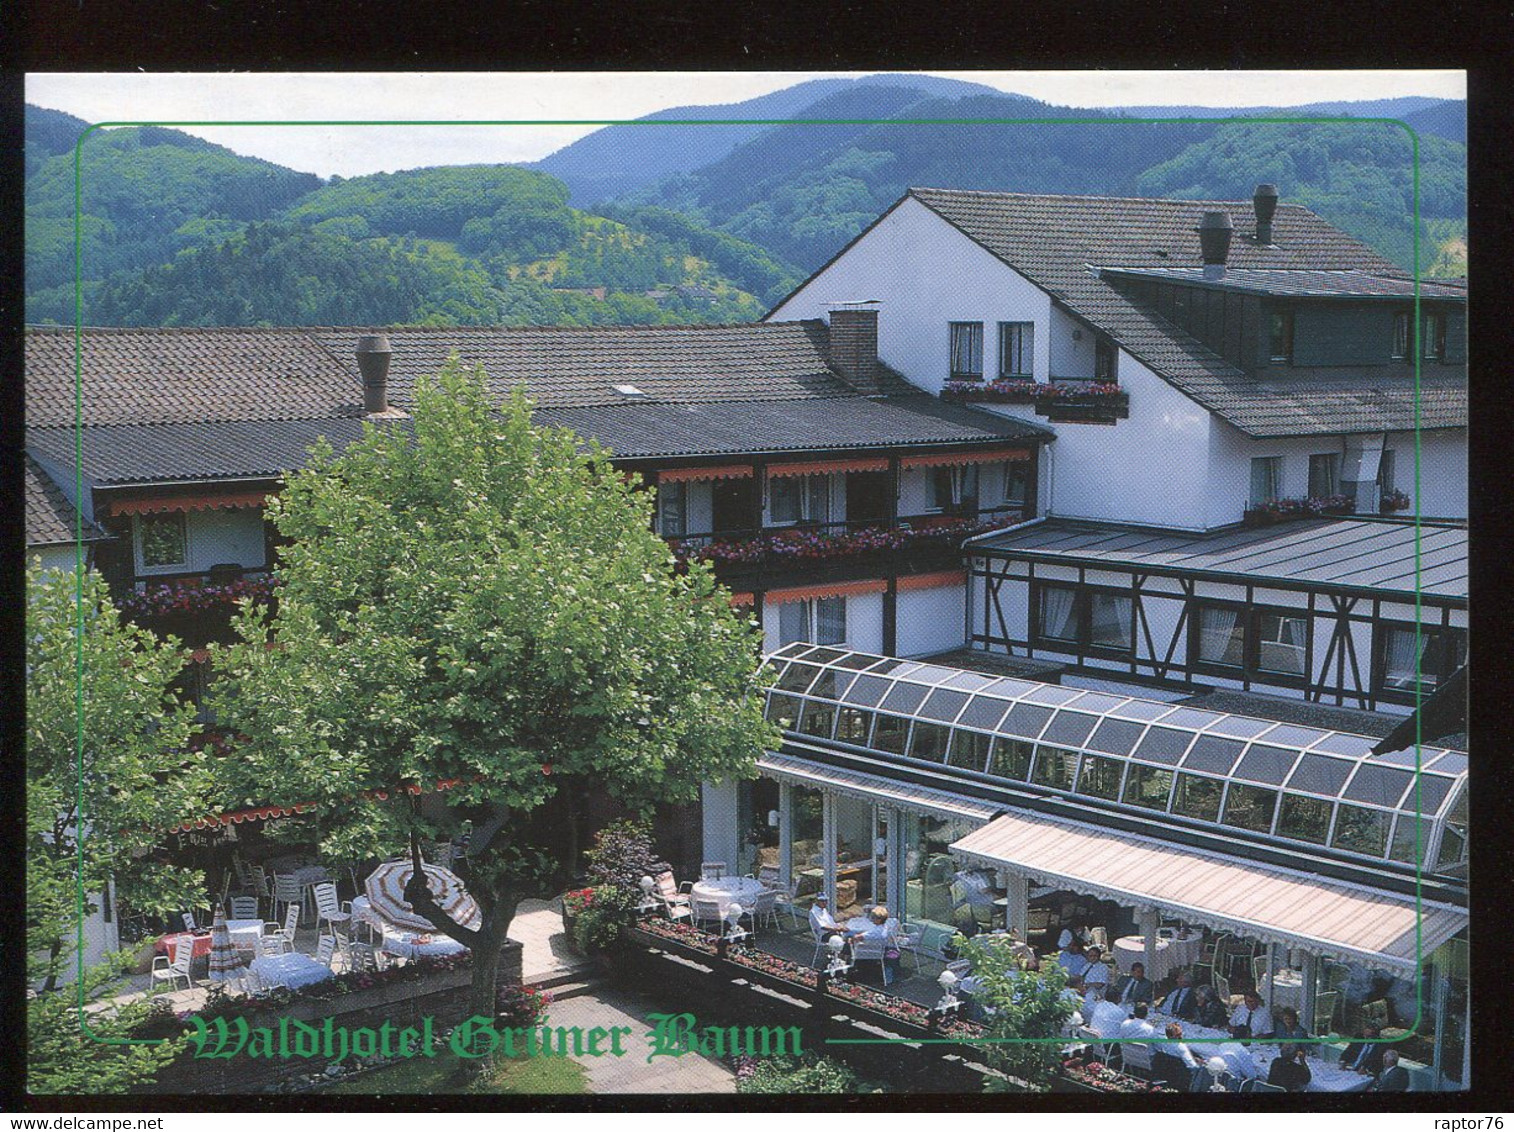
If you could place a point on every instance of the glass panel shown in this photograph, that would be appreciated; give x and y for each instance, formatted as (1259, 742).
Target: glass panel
(1292, 735)
(928, 869)
(970, 681)
(929, 741)
(1109, 622)
(1026, 720)
(1148, 786)
(1051, 694)
(1069, 729)
(1142, 709)
(1004, 686)
(1430, 793)
(889, 733)
(1100, 777)
(1304, 819)
(1240, 727)
(1266, 764)
(1361, 830)
(1011, 759)
(162, 539)
(930, 674)
(1250, 807)
(943, 704)
(852, 725)
(830, 683)
(969, 750)
(854, 660)
(830, 621)
(1115, 736)
(1266, 479)
(984, 712)
(1221, 636)
(1098, 702)
(1054, 767)
(1341, 743)
(1403, 845)
(1453, 843)
(797, 678)
(905, 697)
(1163, 745)
(783, 499)
(1281, 641)
(1452, 762)
(887, 665)
(1197, 797)
(783, 710)
(866, 690)
(1380, 784)
(1058, 620)
(807, 842)
(1191, 717)
(1213, 754)
(826, 656)
(819, 719)
(1320, 775)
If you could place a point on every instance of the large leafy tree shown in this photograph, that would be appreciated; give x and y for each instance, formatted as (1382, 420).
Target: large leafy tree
(469, 599)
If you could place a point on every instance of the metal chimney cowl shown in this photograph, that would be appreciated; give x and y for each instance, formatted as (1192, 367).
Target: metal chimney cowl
(1215, 230)
(1264, 202)
(373, 354)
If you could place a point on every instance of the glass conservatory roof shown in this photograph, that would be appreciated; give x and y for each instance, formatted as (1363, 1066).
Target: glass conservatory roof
(1284, 780)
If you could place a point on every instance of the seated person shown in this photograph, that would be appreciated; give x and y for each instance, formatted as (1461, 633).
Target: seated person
(1286, 1026)
(1394, 1078)
(1181, 1002)
(1134, 987)
(1136, 1025)
(1289, 1070)
(822, 923)
(1173, 1062)
(1073, 993)
(1251, 1019)
(1096, 973)
(1364, 1056)
(1102, 1017)
(1071, 959)
(1210, 1011)
(881, 929)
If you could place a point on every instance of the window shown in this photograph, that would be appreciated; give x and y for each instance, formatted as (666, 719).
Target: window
(889, 734)
(1104, 361)
(1250, 807)
(1090, 619)
(783, 710)
(1433, 342)
(954, 488)
(1011, 759)
(1057, 613)
(852, 725)
(929, 741)
(820, 622)
(1266, 479)
(1385, 469)
(1054, 768)
(1419, 658)
(1016, 481)
(1280, 336)
(162, 540)
(1324, 475)
(1401, 336)
(1016, 342)
(672, 509)
(1361, 830)
(1109, 621)
(1147, 786)
(818, 719)
(1281, 641)
(967, 351)
(969, 750)
(1304, 819)
(799, 499)
(1197, 797)
(1100, 777)
(1220, 636)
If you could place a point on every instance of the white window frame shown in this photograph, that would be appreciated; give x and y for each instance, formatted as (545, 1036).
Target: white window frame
(810, 494)
(166, 567)
(673, 494)
(810, 617)
(958, 485)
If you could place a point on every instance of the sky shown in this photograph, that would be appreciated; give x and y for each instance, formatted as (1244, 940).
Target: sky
(593, 98)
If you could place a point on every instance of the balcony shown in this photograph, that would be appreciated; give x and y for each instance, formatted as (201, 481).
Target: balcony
(1068, 399)
(825, 551)
(196, 608)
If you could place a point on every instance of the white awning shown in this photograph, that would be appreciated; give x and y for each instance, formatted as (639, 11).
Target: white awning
(1266, 902)
(872, 787)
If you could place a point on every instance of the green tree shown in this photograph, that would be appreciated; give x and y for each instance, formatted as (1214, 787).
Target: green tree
(477, 601)
(1030, 1011)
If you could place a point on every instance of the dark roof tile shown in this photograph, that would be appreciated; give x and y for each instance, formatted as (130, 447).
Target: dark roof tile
(51, 520)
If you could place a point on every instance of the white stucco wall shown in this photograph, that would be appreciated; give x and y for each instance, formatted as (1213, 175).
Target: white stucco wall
(720, 819)
(56, 557)
(864, 624)
(931, 621)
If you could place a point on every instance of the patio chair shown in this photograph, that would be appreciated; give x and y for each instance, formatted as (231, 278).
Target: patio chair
(1252, 1085)
(871, 948)
(325, 951)
(1222, 988)
(764, 909)
(175, 965)
(1100, 938)
(283, 935)
(768, 877)
(1095, 1042)
(329, 911)
(1258, 972)
(285, 892)
(706, 911)
(712, 870)
(245, 908)
(1324, 1012)
(674, 901)
(189, 922)
(907, 940)
(1136, 1059)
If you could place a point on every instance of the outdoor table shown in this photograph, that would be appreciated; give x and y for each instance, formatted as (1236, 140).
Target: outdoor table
(201, 943)
(1173, 953)
(725, 890)
(1184, 950)
(245, 933)
(292, 970)
(1325, 1073)
(410, 945)
(1287, 990)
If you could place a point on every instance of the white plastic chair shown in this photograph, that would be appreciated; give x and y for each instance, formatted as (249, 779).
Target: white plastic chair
(244, 908)
(189, 922)
(706, 911)
(325, 951)
(329, 911)
(175, 965)
(907, 940)
(765, 909)
(283, 935)
(712, 870)
(871, 947)
(1135, 1058)
(674, 902)
(285, 892)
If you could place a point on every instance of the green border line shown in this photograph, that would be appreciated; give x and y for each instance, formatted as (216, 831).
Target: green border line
(1057, 121)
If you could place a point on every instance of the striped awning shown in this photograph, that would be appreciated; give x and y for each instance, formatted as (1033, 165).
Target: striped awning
(953, 459)
(872, 787)
(705, 472)
(1267, 902)
(815, 593)
(230, 500)
(829, 467)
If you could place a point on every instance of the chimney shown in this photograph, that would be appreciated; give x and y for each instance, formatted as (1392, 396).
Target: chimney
(854, 344)
(1214, 232)
(373, 355)
(1264, 201)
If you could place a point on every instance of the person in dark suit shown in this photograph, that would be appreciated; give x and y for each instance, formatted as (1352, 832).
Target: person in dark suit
(1365, 1056)
(1290, 1071)
(1287, 1027)
(1394, 1078)
(1134, 987)
(1211, 1011)
(1182, 1002)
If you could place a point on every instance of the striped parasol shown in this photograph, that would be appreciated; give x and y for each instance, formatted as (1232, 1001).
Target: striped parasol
(225, 964)
(386, 896)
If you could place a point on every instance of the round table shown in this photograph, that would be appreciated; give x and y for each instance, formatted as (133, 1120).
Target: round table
(292, 970)
(1173, 953)
(245, 933)
(409, 945)
(725, 890)
(1287, 990)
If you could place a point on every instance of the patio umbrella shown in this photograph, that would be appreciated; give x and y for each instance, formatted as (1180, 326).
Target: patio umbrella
(225, 963)
(386, 896)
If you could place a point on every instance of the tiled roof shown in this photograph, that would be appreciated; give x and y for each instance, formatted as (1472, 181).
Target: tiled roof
(50, 518)
(730, 428)
(1061, 243)
(1300, 283)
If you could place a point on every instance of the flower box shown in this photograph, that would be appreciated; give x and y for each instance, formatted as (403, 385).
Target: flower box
(1283, 510)
(1079, 1075)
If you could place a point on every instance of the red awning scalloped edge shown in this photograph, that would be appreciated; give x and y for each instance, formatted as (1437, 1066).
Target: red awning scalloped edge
(943, 459)
(829, 467)
(715, 472)
(265, 813)
(811, 593)
(230, 500)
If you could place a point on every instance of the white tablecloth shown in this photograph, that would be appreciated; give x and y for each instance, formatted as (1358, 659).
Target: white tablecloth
(245, 933)
(1287, 990)
(407, 945)
(743, 890)
(1325, 1073)
(292, 970)
(1173, 953)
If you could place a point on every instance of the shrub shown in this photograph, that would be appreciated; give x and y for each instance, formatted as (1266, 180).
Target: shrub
(595, 916)
(521, 1007)
(809, 1074)
(622, 854)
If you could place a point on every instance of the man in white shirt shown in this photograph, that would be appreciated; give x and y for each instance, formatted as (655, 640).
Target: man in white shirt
(1251, 1019)
(822, 923)
(1096, 973)
(1180, 1076)
(1136, 1025)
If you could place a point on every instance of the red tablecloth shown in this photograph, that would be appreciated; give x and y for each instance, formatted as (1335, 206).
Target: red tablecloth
(201, 943)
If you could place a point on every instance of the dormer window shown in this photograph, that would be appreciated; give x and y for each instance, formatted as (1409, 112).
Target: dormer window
(1280, 348)
(967, 351)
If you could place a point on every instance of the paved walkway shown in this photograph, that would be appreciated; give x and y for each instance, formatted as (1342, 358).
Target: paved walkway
(537, 927)
(633, 1073)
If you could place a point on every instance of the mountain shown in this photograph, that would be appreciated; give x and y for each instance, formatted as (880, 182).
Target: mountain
(1445, 119)
(618, 160)
(49, 133)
